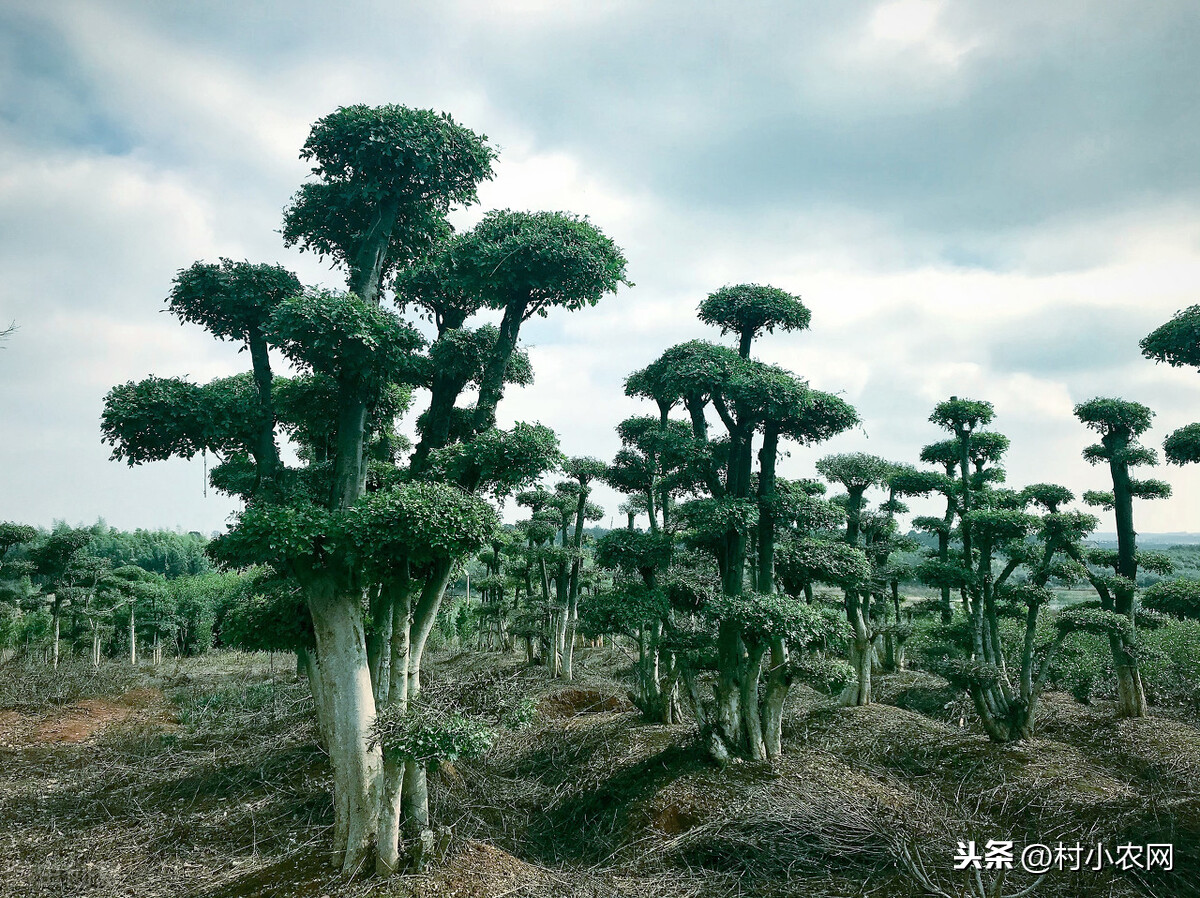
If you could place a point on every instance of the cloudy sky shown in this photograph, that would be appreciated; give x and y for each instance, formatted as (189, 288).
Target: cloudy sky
(991, 200)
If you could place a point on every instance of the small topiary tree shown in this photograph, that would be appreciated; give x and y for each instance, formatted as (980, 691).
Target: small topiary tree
(748, 310)
(58, 563)
(857, 472)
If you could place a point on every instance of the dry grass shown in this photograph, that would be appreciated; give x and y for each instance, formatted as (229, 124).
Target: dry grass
(216, 788)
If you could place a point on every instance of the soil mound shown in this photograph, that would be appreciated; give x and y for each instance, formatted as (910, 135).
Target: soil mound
(573, 702)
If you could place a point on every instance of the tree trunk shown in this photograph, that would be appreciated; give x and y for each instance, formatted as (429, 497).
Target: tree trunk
(569, 640)
(341, 646)
(379, 653)
(779, 682)
(132, 638)
(367, 267)
(491, 388)
(266, 453)
(391, 802)
(415, 799)
(728, 726)
(751, 714)
(560, 637)
(766, 509)
(387, 861)
(57, 623)
(308, 665)
(348, 464)
(1131, 696)
(416, 813)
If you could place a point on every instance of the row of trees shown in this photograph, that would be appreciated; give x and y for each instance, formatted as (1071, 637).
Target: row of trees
(714, 518)
(104, 592)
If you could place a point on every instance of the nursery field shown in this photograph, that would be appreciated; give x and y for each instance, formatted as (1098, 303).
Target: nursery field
(408, 666)
(205, 777)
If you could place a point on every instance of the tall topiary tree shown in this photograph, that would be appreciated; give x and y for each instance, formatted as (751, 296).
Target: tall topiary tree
(753, 629)
(384, 179)
(1120, 423)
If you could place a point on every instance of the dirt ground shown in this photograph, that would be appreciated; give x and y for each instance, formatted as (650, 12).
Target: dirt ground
(204, 779)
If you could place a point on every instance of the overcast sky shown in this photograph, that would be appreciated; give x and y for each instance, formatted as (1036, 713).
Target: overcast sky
(986, 199)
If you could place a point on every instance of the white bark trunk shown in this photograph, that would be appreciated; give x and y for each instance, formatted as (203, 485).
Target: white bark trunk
(346, 681)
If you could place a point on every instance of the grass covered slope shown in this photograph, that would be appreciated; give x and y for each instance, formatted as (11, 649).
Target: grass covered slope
(205, 779)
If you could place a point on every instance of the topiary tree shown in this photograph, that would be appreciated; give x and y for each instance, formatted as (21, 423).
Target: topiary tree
(750, 309)
(384, 179)
(15, 586)
(234, 301)
(1177, 342)
(1120, 423)
(747, 397)
(857, 472)
(524, 264)
(638, 605)
(944, 454)
(582, 470)
(385, 176)
(58, 563)
(135, 593)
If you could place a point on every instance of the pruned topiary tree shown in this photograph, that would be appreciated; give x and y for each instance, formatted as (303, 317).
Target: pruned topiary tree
(756, 633)
(857, 472)
(1119, 423)
(384, 179)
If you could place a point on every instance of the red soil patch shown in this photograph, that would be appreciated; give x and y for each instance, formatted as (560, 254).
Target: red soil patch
(570, 702)
(74, 723)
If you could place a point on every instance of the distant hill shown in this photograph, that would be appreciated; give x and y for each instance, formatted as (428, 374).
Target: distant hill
(1102, 539)
(1178, 538)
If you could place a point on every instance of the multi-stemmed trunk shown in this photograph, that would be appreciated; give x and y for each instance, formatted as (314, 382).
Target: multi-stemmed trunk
(390, 808)
(404, 792)
(862, 652)
(1008, 709)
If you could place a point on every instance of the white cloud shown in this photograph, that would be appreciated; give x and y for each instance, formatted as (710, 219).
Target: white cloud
(610, 110)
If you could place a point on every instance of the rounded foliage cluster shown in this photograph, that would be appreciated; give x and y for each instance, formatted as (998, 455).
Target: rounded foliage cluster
(418, 523)
(749, 309)
(342, 336)
(1117, 417)
(1179, 597)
